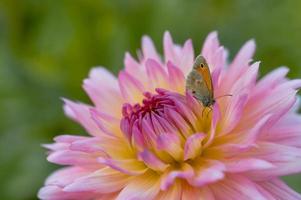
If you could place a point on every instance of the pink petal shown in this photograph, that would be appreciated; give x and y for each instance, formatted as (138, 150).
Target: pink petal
(67, 175)
(81, 113)
(116, 148)
(281, 99)
(104, 180)
(131, 88)
(287, 131)
(279, 190)
(56, 146)
(194, 193)
(246, 81)
(106, 123)
(156, 74)
(127, 166)
(193, 146)
(170, 143)
(52, 192)
(102, 88)
(207, 171)
(210, 46)
(187, 58)
(90, 145)
(176, 78)
(69, 138)
(69, 157)
(187, 113)
(215, 118)
(152, 161)
(236, 187)
(148, 49)
(174, 193)
(135, 69)
(248, 164)
(179, 121)
(286, 159)
(131, 65)
(270, 81)
(239, 66)
(216, 67)
(145, 186)
(228, 150)
(194, 106)
(168, 47)
(186, 172)
(233, 113)
(250, 136)
(243, 56)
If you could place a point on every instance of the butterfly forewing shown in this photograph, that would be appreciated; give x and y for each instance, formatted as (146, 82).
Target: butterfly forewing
(199, 82)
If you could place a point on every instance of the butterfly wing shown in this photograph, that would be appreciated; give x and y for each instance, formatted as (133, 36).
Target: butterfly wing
(197, 85)
(206, 78)
(200, 83)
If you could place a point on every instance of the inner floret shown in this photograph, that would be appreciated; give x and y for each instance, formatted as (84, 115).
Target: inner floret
(166, 126)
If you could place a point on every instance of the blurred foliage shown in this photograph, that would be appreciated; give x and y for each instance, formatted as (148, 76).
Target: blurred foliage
(47, 47)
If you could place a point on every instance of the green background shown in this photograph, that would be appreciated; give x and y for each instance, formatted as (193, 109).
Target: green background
(48, 46)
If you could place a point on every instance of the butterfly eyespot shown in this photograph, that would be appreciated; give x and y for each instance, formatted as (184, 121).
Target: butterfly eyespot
(193, 92)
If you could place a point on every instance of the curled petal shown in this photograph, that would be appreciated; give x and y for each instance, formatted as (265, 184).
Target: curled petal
(170, 143)
(193, 146)
(152, 161)
(186, 172)
(208, 171)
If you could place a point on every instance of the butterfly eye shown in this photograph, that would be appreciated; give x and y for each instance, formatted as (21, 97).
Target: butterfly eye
(193, 92)
(202, 65)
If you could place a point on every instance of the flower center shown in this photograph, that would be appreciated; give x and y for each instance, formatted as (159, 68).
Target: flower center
(162, 113)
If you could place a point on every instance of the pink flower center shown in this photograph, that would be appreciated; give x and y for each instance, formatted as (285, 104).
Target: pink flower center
(156, 115)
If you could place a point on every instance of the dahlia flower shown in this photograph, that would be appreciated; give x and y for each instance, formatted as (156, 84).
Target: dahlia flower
(149, 138)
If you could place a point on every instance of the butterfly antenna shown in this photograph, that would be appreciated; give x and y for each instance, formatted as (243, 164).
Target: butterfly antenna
(226, 95)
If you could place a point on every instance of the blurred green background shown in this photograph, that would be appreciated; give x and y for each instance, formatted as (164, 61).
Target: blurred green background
(47, 48)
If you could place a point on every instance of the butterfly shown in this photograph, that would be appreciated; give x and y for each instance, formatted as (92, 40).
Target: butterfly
(199, 82)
